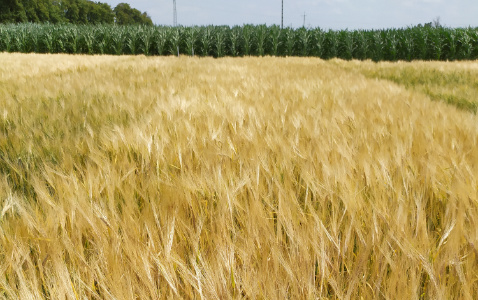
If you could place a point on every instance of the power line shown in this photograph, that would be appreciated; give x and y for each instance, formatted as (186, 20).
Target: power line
(175, 14)
(282, 16)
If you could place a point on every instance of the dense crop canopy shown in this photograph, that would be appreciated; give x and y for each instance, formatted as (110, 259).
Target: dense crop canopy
(133, 177)
(424, 43)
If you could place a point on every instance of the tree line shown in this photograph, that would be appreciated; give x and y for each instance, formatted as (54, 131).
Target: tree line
(70, 11)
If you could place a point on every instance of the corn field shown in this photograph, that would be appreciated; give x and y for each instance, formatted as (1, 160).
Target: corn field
(412, 43)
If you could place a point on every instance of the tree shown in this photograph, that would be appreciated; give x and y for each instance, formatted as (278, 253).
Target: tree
(12, 11)
(125, 15)
(146, 19)
(69, 11)
(30, 10)
(436, 22)
(100, 13)
(42, 10)
(73, 12)
(56, 13)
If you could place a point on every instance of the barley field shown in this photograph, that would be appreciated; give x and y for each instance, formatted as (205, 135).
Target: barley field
(235, 178)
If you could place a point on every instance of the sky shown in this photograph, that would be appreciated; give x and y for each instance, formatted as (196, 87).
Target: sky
(326, 14)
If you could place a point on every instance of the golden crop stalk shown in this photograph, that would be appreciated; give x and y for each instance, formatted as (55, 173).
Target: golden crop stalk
(135, 177)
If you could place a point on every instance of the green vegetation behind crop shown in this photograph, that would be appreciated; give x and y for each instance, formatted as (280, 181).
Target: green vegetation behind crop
(455, 84)
(70, 11)
(414, 43)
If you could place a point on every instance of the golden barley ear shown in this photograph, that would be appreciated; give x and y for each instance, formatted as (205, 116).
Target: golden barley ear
(144, 177)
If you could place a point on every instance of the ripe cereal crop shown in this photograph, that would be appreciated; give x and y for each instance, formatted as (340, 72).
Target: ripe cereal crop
(133, 177)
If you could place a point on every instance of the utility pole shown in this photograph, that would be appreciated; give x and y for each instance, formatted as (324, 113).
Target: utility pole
(175, 14)
(304, 19)
(282, 16)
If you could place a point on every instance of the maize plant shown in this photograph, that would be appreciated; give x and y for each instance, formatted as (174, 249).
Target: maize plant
(175, 41)
(72, 40)
(275, 36)
(101, 37)
(466, 45)
(161, 37)
(261, 34)
(206, 37)
(421, 46)
(378, 45)
(132, 40)
(146, 40)
(247, 37)
(235, 40)
(220, 42)
(318, 38)
(474, 37)
(450, 44)
(420, 42)
(407, 45)
(87, 39)
(191, 35)
(21, 41)
(35, 41)
(361, 45)
(332, 44)
(436, 44)
(347, 44)
(289, 35)
(391, 44)
(305, 37)
(46, 38)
